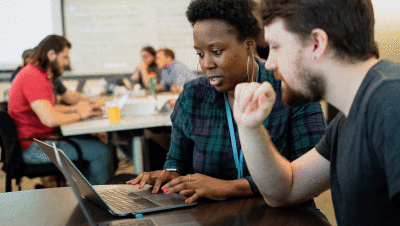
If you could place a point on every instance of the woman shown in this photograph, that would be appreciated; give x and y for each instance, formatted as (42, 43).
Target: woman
(205, 158)
(148, 65)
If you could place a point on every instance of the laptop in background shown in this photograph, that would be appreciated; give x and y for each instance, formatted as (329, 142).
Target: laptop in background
(165, 220)
(119, 202)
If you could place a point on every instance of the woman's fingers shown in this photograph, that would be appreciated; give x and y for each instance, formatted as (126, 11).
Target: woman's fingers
(178, 184)
(187, 193)
(136, 180)
(193, 198)
(164, 176)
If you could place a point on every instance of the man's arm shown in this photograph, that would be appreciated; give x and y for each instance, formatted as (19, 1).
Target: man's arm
(280, 182)
(72, 97)
(49, 116)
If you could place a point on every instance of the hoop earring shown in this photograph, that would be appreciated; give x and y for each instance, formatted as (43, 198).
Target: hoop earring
(197, 69)
(248, 77)
(252, 67)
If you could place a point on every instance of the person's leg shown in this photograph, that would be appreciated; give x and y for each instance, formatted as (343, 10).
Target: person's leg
(93, 151)
(98, 156)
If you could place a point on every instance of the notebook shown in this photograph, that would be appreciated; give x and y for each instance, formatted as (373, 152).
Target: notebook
(119, 202)
(165, 220)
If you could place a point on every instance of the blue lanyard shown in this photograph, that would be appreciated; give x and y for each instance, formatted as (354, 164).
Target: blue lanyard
(236, 156)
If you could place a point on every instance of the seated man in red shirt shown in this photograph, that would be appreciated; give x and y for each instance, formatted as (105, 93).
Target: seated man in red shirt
(31, 106)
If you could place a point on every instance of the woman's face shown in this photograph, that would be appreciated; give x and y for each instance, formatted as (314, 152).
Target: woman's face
(222, 58)
(147, 58)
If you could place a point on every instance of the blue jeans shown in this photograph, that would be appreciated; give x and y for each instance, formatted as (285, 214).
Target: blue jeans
(93, 151)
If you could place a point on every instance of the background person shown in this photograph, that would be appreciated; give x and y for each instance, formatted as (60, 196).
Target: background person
(31, 106)
(26, 59)
(174, 73)
(203, 143)
(148, 65)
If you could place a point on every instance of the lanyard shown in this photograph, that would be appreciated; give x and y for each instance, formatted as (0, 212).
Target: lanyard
(236, 156)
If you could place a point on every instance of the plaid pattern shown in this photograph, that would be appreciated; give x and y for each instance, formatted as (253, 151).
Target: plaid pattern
(200, 132)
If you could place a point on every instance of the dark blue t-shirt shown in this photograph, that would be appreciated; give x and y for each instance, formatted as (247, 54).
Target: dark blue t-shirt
(364, 150)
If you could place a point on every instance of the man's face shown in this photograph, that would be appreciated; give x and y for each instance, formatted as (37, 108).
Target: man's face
(289, 60)
(161, 60)
(60, 63)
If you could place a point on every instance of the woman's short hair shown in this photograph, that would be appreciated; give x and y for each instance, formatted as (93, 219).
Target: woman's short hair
(238, 13)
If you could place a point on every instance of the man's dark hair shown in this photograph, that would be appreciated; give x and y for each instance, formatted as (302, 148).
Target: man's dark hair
(151, 50)
(167, 52)
(349, 24)
(51, 42)
(25, 55)
(238, 13)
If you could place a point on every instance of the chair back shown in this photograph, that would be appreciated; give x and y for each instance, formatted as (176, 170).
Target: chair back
(11, 153)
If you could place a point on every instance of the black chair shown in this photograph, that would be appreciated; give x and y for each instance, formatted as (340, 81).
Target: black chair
(11, 155)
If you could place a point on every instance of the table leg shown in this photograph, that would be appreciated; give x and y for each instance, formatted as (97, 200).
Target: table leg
(113, 155)
(140, 153)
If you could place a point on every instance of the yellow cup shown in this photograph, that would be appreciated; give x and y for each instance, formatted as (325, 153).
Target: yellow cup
(113, 114)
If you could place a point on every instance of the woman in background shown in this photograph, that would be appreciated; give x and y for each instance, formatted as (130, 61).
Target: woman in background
(148, 65)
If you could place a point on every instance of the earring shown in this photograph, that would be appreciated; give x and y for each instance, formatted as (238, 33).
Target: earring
(252, 67)
(315, 57)
(197, 69)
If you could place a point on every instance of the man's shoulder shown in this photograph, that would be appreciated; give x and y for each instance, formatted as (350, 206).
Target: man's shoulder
(31, 71)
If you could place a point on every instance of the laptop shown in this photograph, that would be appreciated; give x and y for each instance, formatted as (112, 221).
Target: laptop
(119, 202)
(165, 220)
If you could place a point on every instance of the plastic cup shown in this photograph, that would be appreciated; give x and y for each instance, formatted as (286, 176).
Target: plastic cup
(114, 113)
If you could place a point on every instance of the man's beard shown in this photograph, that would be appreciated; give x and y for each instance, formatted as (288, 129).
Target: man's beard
(56, 69)
(315, 87)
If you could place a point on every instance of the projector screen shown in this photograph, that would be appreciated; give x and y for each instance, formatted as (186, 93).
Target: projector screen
(23, 24)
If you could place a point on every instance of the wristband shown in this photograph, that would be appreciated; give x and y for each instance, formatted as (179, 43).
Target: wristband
(172, 170)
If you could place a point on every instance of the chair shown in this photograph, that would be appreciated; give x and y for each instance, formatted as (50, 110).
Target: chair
(11, 155)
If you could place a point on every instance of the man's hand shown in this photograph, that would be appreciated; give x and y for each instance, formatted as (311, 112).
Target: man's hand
(253, 103)
(197, 186)
(171, 103)
(86, 110)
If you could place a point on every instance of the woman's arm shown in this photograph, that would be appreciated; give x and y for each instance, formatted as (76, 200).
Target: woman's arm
(135, 75)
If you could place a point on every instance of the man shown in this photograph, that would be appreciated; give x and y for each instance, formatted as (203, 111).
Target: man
(25, 60)
(31, 106)
(335, 58)
(174, 74)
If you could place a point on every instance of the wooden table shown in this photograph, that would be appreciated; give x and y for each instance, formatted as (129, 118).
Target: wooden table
(58, 206)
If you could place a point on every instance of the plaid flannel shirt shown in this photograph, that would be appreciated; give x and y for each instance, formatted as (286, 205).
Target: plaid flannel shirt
(201, 141)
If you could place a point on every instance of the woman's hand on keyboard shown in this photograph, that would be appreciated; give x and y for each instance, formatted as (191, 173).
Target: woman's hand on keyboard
(156, 178)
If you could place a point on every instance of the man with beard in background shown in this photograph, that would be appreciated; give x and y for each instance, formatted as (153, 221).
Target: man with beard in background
(31, 106)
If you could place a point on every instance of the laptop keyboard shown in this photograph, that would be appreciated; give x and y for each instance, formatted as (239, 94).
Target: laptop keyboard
(136, 222)
(126, 201)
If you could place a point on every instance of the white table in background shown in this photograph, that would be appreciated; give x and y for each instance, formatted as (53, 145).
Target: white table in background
(102, 124)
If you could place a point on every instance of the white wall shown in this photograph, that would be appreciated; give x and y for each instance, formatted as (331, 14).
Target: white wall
(387, 28)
